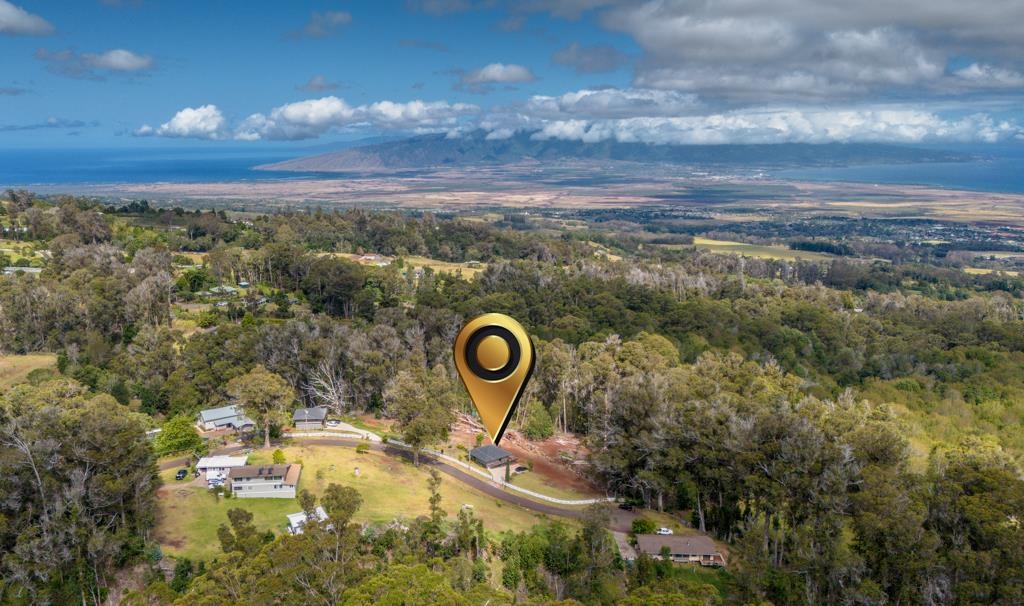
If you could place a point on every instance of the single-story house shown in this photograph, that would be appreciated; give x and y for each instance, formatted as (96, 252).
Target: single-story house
(223, 291)
(491, 455)
(225, 417)
(310, 418)
(297, 520)
(695, 549)
(264, 481)
(216, 467)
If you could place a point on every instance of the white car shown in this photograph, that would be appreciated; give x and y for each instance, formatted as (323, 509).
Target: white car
(663, 530)
(333, 423)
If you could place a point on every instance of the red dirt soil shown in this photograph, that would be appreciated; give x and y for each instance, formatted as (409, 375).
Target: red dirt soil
(546, 455)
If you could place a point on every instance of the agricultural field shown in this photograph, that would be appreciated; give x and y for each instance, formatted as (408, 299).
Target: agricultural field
(980, 271)
(391, 488)
(15, 369)
(751, 250)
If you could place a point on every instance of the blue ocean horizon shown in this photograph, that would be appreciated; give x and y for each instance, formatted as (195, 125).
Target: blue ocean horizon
(992, 170)
(1001, 171)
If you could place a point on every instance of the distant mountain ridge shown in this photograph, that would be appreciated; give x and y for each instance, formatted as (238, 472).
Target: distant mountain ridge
(437, 150)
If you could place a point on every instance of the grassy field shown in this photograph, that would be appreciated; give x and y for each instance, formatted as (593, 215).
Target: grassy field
(754, 250)
(189, 516)
(434, 264)
(537, 483)
(15, 369)
(17, 251)
(978, 271)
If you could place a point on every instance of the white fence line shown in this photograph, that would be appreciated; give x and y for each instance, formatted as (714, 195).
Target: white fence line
(364, 436)
(503, 484)
(468, 466)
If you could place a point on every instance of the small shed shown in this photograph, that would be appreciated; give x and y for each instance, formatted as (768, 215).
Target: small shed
(297, 520)
(491, 455)
(310, 418)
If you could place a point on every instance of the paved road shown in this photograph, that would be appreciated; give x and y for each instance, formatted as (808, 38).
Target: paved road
(620, 520)
(476, 482)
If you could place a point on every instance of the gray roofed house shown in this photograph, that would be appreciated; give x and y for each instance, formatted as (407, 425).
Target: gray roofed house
(696, 549)
(310, 418)
(264, 481)
(225, 417)
(491, 455)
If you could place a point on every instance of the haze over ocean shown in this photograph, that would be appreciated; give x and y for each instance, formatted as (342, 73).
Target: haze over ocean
(998, 169)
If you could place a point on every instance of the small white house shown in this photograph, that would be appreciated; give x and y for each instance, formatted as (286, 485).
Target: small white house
(217, 467)
(297, 520)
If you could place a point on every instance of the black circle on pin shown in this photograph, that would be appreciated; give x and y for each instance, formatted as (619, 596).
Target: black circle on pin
(515, 353)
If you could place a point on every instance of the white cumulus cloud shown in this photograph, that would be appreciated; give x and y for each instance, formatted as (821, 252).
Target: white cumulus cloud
(314, 117)
(203, 122)
(15, 20)
(498, 72)
(988, 76)
(481, 80)
(784, 125)
(119, 60)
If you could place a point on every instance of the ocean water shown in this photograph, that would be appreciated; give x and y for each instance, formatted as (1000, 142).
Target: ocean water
(989, 173)
(995, 171)
(69, 166)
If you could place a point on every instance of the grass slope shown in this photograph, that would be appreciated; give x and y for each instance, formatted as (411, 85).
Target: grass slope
(15, 369)
(391, 488)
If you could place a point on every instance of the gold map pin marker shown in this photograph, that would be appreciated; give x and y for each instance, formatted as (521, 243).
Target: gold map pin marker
(494, 357)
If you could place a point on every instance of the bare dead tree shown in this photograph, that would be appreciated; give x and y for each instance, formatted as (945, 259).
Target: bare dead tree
(327, 387)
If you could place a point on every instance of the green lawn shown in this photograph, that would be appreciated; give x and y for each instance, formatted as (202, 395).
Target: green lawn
(189, 516)
(751, 250)
(537, 483)
(15, 369)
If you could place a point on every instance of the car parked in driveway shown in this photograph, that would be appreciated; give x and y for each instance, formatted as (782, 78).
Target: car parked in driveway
(663, 530)
(181, 474)
(333, 423)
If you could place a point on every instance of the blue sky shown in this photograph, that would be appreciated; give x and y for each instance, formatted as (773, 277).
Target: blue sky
(144, 72)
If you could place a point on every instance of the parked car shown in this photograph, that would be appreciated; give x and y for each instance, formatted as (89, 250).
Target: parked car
(626, 506)
(181, 474)
(333, 423)
(663, 530)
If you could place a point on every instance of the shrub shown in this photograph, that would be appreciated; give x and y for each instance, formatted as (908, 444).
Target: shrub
(539, 425)
(643, 526)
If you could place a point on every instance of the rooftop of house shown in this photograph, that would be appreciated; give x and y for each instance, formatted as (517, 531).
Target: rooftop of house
(292, 477)
(221, 461)
(258, 471)
(214, 414)
(698, 545)
(489, 453)
(297, 519)
(317, 413)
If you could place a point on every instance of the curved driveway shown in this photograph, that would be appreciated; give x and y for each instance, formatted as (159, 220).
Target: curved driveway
(620, 520)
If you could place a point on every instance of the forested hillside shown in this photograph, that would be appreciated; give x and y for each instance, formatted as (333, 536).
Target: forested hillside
(853, 430)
